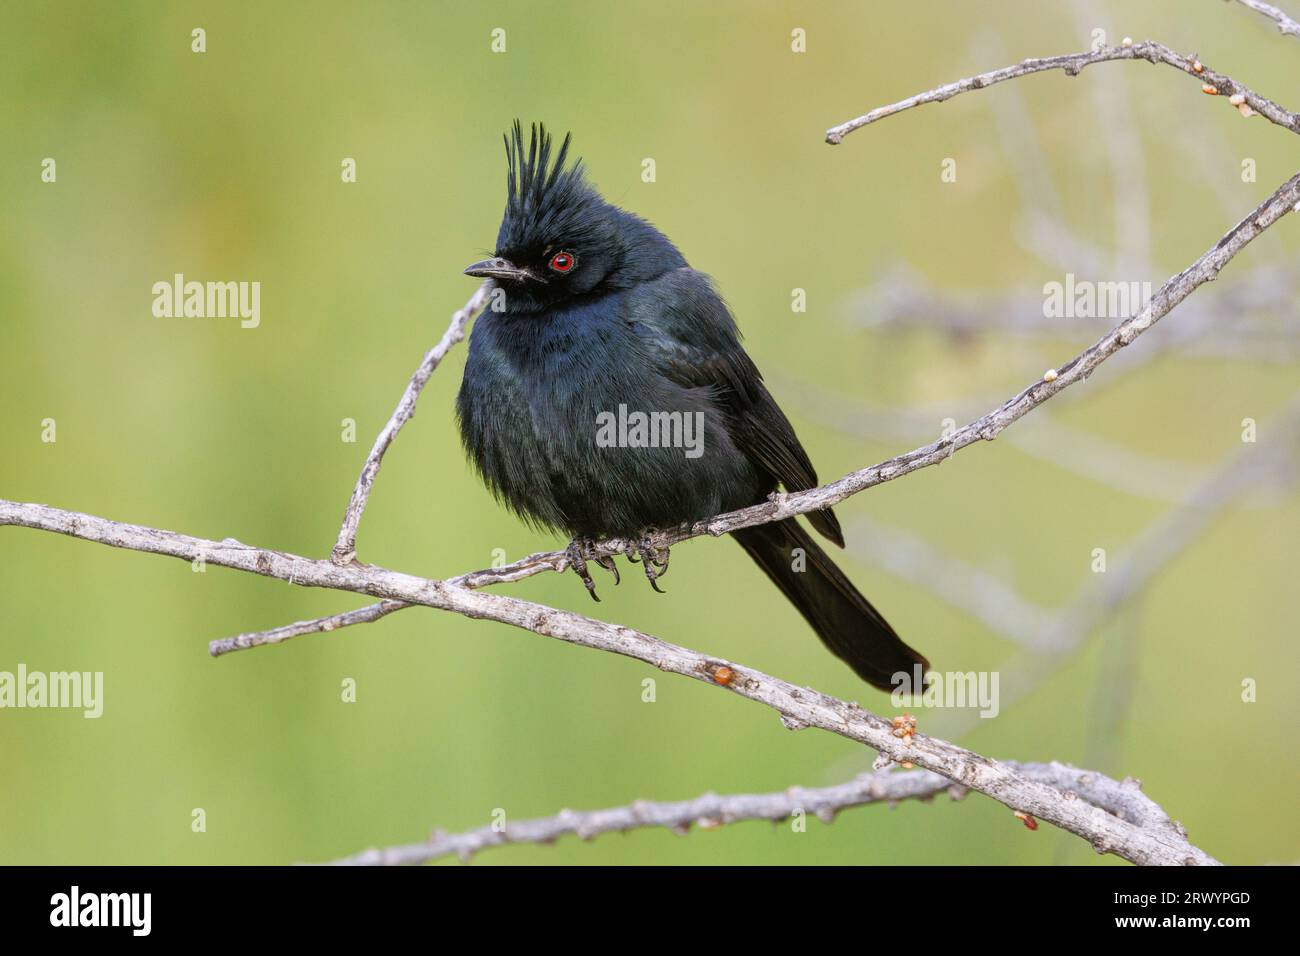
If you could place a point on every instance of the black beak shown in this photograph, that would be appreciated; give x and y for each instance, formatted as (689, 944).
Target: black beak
(497, 268)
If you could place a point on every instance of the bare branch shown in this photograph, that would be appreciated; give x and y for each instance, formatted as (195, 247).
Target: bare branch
(277, 635)
(345, 549)
(799, 707)
(1072, 63)
(1122, 799)
(707, 811)
(1285, 24)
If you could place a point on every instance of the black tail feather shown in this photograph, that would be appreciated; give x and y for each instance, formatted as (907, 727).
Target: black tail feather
(846, 622)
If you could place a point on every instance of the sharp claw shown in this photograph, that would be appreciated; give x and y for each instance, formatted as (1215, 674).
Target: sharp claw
(607, 562)
(649, 557)
(579, 565)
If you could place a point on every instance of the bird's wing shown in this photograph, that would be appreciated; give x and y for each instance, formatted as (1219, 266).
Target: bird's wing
(694, 341)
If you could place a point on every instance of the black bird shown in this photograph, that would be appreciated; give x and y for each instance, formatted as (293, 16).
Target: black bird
(602, 311)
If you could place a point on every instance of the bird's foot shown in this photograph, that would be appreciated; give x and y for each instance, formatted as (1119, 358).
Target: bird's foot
(653, 559)
(582, 550)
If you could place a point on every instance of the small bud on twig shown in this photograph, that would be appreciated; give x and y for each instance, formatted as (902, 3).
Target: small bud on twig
(904, 727)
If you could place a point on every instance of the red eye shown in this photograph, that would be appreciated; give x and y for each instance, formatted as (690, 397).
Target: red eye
(563, 261)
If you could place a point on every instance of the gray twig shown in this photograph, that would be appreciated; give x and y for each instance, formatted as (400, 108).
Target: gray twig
(277, 635)
(1285, 24)
(1072, 63)
(1124, 800)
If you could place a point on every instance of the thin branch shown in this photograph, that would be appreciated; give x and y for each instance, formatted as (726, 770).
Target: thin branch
(707, 811)
(1124, 800)
(1072, 63)
(799, 707)
(1285, 24)
(373, 612)
(345, 549)
(277, 635)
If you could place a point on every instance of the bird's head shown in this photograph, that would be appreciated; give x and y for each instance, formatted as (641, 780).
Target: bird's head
(559, 239)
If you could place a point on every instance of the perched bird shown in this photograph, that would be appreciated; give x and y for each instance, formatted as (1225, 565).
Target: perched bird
(603, 319)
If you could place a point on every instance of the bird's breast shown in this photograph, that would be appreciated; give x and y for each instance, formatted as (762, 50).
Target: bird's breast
(575, 427)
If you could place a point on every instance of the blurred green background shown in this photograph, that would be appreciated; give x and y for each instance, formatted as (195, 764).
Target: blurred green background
(226, 165)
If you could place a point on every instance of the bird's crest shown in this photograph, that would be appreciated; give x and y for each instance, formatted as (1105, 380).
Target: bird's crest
(532, 179)
(541, 193)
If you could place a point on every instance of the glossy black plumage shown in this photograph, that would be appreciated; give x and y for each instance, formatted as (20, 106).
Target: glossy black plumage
(630, 323)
